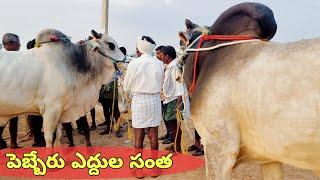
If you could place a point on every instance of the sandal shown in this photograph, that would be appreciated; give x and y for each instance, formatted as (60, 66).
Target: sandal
(3, 144)
(169, 148)
(192, 148)
(198, 152)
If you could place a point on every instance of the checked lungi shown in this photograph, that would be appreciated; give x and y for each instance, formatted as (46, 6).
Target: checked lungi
(146, 110)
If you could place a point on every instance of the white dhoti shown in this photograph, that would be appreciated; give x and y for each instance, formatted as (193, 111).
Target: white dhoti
(146, 110)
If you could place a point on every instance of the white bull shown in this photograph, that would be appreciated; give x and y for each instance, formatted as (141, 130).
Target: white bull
(258, 101)
(59, 80)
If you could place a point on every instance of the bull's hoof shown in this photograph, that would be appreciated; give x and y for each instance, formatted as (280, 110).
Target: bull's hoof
(105, 131)
(3, 144)
(119, 134)
(71, 145)
(39, 144)
(15, 147)
(92, 128)
(81, 132)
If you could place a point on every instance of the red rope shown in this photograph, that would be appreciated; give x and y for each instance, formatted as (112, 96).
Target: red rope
(207, 38)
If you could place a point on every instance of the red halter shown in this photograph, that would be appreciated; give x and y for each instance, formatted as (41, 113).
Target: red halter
(207, 38)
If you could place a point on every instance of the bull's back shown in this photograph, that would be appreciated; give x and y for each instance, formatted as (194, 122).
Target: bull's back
(277, 101)
(20, 76)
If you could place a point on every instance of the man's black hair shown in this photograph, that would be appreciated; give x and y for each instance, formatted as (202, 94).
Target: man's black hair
(31, 44)
(170, 51)
(160, 48)
(147, 38)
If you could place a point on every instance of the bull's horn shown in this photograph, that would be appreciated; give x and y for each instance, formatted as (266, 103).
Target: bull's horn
(95, 34)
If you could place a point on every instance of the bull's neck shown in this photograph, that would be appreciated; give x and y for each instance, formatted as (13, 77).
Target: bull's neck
(206, 63)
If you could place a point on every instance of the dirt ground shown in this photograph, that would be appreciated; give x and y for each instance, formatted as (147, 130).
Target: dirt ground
(242, 172)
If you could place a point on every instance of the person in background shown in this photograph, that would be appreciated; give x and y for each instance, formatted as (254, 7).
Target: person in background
(35, 122)
(172, 101)
(108, 98)
(197, 147)
(11, 42)
(159, 52)
(144, 79)
(160, 56)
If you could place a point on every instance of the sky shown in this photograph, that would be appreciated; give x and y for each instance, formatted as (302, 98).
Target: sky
(160, 19)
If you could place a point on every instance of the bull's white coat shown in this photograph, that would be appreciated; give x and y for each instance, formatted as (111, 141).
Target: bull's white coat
(40, 81)
(261, 105)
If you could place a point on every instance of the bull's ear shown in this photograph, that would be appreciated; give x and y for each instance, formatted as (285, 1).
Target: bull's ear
(189, 24)
(95, 34)
(184, 38)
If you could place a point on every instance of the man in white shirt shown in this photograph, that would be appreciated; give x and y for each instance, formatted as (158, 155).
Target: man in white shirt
(11, 42)
(173, 92)
(144, 79)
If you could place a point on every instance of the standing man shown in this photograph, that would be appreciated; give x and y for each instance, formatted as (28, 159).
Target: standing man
(173, 100)
(144, 80)
(161, 57)
(159, 52)
(11, 42)
(35, 122)
(108, 98)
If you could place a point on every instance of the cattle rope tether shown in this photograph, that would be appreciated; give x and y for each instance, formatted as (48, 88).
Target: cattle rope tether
(204, 37)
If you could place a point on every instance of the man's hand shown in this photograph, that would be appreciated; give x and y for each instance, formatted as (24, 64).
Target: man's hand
(162, 96)
(179, 103)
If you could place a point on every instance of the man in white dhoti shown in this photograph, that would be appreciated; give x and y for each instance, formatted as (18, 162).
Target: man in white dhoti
(143, 79)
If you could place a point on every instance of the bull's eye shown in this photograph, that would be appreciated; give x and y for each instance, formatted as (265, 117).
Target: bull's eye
(111, 46)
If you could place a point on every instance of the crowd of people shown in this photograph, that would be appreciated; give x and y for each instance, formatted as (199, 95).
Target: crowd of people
(143, 83)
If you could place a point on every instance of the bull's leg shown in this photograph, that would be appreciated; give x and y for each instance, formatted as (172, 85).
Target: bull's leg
(50, 123)
(68, 128)
(221, 145)
(57, 142)
(3, 122)
(38, 138)
(13, 129)
(3, 143)
(272, 171)
(93, 117)
(84, 124)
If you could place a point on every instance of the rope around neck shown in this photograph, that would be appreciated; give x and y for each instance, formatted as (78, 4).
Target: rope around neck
(235, 40)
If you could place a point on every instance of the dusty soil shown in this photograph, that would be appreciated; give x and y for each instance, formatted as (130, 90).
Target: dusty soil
(243, 171)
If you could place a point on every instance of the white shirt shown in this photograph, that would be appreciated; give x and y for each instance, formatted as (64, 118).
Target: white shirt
(144, 75)
(172, 88)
